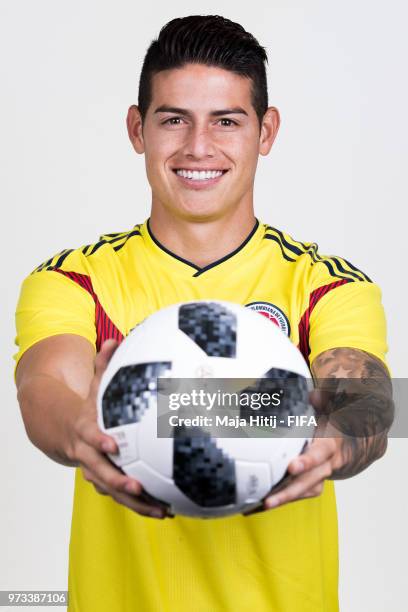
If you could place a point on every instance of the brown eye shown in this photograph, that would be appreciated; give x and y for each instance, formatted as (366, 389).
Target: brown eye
(227, 122)
(173, 121)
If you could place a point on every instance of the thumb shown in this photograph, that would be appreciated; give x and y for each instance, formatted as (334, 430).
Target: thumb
(318, 398)
(103, 357)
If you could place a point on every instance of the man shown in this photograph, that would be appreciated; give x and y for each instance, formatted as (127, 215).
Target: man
(202, 121)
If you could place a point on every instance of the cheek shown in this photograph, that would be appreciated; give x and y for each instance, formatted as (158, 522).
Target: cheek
(161, 146)
(244, 151)
(246, 162)
(155, 160)
(159, 155)
(155, 154)
(154, 170)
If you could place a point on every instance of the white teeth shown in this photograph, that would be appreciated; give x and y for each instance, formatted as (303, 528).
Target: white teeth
(202, 175)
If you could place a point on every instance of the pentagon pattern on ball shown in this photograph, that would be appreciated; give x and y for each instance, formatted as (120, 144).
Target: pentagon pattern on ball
(130, 392)
(211, 326)
(203, 472)
(293, 400)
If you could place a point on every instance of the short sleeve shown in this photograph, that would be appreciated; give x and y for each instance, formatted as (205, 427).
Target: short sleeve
(51, 304)
(349, 315)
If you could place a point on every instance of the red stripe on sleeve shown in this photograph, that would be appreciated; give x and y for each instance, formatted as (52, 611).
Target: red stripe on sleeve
(105, 328)
(304, 323)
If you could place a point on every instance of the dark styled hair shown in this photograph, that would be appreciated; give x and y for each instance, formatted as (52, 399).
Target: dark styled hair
(210, 40)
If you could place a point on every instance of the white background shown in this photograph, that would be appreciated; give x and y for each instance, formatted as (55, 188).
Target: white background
(337, 72)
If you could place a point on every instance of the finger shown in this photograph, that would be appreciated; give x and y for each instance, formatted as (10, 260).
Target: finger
(125, 499)
(314, 491)
(89, 477)
(140, 502)
(100, 489)
(319, 398)
(299, 486)
(140, 507)
(106, 474)
(278, 487)
(104, 356)
(318, 452)
(100, 471)
(256, 510)
(89, 432)
(316, 399)
(135, 503)
(101, 362)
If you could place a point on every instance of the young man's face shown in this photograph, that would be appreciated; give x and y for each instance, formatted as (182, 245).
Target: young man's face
(201, 139)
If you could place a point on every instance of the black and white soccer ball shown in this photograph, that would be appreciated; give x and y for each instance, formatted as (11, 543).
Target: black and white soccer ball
(193, 472)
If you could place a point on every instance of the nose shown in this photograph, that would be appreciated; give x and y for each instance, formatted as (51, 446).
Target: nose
(199, 144)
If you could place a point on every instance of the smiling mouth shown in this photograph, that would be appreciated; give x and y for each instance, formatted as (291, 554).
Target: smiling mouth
(199, 175)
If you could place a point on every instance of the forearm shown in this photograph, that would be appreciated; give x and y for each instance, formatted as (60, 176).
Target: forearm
(357, 408)
(50, 409)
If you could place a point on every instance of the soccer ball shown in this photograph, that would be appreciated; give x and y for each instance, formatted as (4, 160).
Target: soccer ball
(192, 470)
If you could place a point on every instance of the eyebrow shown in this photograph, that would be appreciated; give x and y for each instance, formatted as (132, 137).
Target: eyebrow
(215, 113)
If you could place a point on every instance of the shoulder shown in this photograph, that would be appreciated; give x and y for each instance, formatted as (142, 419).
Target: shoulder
(80, 259)
(319, 267)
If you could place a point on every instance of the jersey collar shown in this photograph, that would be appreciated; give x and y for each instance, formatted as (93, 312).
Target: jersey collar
(188, 268)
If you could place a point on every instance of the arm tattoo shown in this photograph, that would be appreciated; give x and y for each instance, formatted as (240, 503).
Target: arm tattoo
(357, 396)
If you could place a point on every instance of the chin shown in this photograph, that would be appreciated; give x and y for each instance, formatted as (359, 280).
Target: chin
(202, 213)
(199, 211)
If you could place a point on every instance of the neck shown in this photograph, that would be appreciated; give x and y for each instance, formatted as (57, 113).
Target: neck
(201, 242)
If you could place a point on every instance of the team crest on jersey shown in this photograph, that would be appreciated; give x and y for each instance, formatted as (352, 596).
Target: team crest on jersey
(273, 313)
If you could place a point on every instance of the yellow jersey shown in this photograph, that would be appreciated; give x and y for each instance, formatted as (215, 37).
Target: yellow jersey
(282, 560)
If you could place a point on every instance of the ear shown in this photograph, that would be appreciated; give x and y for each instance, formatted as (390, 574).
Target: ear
(269, 129)
(135, 128)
